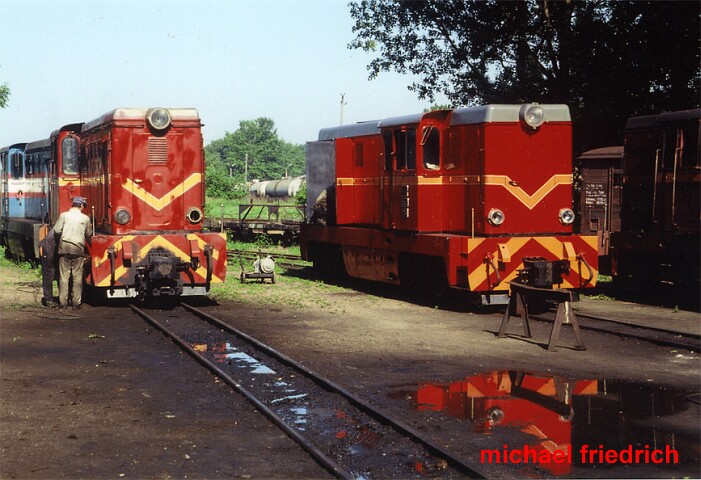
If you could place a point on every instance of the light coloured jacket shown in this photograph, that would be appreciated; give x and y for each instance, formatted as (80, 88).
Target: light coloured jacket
(75, 229)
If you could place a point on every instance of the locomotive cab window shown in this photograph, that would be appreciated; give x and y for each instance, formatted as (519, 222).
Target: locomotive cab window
(680, 146)
(430, 142)
(690, 145)
(411, 149)
(405, 149)
(17, 168)
(69, 151)
(389, 151)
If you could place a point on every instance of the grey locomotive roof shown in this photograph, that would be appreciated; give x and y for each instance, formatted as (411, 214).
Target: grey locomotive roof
(351, 130)
(403, 120)
(38, 144)
(14, 145)
(461, 116)
(649, 121)
(74, 127)
(140, 114)
(506, 113)
(604, 152)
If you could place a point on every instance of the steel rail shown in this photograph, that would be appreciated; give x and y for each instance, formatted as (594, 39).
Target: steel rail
(320, 457)
(253, 253)
(659, 336)
(364, 406)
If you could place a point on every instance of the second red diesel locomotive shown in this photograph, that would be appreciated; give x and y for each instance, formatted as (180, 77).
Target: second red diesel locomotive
(467, 199)
(142, 172)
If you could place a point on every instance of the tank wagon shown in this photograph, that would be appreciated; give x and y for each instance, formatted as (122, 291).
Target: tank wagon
(142, 172)
(283, 188)
(466, 199)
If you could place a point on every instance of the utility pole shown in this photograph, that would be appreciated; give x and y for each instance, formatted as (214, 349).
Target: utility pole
(245, 172)
(343, 102)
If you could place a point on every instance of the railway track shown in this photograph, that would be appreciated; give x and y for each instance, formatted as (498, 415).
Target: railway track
(346, 435)
(288, 261)
(658, 336)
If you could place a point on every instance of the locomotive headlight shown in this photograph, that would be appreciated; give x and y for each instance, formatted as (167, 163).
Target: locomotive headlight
(566, 216)
(122, 216)
(532, 115)
(495, 217)
(158, 118)
(194, 215)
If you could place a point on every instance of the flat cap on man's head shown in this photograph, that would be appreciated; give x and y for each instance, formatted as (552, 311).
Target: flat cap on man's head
(79, 201)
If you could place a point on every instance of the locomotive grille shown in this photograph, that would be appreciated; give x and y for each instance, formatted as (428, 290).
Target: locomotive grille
(358, 154)
(158, 150)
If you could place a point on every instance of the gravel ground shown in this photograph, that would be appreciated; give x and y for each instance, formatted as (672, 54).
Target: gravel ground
(97, 394)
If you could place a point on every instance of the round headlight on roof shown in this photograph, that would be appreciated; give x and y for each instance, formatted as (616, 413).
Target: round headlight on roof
(532, 115)
(566, 216)
(495, 217)
(158, 118)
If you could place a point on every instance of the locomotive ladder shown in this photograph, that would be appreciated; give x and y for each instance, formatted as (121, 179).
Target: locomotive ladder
(518, 306)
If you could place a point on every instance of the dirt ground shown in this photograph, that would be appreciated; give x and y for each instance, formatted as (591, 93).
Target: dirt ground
(97, 394)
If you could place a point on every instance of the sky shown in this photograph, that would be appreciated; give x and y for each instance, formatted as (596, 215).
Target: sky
(72, 61)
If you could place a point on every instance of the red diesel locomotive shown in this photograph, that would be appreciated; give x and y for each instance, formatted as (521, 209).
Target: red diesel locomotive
(142, 171)
(467, 199)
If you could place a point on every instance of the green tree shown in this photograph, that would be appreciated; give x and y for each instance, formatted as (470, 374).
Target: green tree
(269, 158)
(606, 59)
(4, 95)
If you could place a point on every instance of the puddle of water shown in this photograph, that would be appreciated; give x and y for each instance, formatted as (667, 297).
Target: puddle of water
(290, 405)
(566, 423)
(289, 397)
(225, 353)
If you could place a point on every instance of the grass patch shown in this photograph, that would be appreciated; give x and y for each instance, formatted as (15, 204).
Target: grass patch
(289, 290)
(216, 208)
(299, 289)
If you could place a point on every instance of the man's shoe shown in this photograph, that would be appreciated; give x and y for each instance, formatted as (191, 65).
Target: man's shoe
(76, 307)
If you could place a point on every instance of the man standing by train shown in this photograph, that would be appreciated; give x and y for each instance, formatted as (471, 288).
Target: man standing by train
(49, 267)
(75, 230)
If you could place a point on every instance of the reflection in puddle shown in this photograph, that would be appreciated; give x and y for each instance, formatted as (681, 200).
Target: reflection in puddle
(566, 423)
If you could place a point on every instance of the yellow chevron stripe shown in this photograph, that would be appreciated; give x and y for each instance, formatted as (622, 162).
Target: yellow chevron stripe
(473, 243)
(529, 201)
(117, 246)
(159, 204)
(201, 243)
(118, 272)
(159, 241)
(479, 275)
